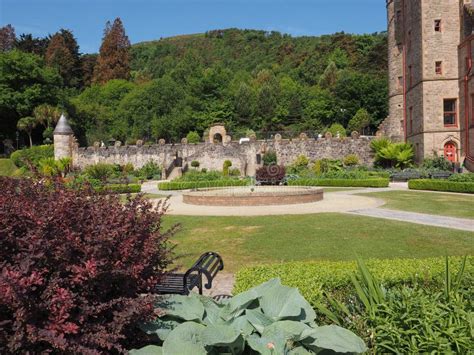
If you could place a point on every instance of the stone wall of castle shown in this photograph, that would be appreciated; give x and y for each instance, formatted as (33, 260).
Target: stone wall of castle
(211, 156)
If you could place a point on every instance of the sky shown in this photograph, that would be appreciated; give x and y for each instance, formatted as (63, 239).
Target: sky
(146, 20)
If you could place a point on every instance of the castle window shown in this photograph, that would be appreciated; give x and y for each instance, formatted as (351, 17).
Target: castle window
(437, 25)
(439, 68)
(410, 75)
(450, 112)
(411, 120)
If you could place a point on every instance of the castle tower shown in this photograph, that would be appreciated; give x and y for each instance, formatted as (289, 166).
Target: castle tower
(424, 105)
(63, 139)
(393, 125)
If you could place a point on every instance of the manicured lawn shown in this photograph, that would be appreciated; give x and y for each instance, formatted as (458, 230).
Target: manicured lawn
(7, 168)
(442, 204)
(271, 239)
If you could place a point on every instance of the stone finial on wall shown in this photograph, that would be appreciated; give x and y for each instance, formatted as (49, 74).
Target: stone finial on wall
(161, 142)
(278, 137)
(253, 137)
(303, 136)
(139, 143)
(379, 134)
(355, 135)
(117, 144)
(328, 135)
(184, 141)
(96, 145)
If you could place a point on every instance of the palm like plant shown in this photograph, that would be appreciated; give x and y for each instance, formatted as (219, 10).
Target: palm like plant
(27, 124)
(47, 115)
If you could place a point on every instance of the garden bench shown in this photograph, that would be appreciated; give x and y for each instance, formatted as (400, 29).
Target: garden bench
(441, 175)
(208, 264)
(405, 176)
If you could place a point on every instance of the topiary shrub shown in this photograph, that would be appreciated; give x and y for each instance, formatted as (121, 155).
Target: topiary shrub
(270, 175)
(225, 167)
(351, 160)
(21, 158)
(193, 137)
(270, 158)
(337, 128)
(195, 164)
(74, 268)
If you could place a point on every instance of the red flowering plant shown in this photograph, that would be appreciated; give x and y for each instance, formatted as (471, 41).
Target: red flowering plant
(76, 268)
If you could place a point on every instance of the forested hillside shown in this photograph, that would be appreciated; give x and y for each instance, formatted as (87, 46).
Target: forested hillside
(247, 79)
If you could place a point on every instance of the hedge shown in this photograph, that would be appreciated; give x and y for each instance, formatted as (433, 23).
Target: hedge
(314, 278)
(120, 188)
(185, 185)
(372, 182)
(32, 155)
(441, 185)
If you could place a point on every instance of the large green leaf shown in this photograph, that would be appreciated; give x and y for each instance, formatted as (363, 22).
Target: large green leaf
(237, 304)
(334, 338)
(183, 307)
(284, 302)
(186, 338)
(242, 325)
(287, 329)
(225, 337)
(267, 345)
(258, 320)
(147, 350)
(212, 311)
(161, 326)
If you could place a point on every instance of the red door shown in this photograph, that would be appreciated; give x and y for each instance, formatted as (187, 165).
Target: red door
(450, 152)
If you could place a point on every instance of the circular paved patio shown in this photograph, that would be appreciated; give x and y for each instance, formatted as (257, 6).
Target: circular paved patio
(332, 202)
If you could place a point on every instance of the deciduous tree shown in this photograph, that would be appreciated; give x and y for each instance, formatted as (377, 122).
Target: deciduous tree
(7, 38)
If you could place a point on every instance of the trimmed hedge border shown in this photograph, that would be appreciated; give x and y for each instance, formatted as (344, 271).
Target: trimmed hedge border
(441, 185)
(333, 277)
(120, 189)
(186, 185)
(373, 182)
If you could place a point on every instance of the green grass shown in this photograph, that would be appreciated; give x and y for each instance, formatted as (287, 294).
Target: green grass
(8, 168)
(442, 204)
(244, 241)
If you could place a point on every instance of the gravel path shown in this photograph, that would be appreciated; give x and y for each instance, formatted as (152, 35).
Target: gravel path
(419, 218)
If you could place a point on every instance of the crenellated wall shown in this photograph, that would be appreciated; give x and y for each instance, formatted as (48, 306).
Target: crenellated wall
(212, 155)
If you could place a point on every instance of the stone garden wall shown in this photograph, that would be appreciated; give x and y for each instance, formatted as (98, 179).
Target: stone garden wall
(211, 156)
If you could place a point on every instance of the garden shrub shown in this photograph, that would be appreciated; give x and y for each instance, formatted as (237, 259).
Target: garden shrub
(234, 172)
(119, 188)
(272, 174)
(337, 128)
(334, 277)
(102, 171)
(185, 185)
(441, 185)
(465, 177)
(150, 170)
(370, 182)
(438, 163)
(389, 154)
(74, 268)
(203, 175)
(351, 160)
(32, 155)
(299, 165)
(270, 158)
(225, 167)
(193, 137)
(195, 164)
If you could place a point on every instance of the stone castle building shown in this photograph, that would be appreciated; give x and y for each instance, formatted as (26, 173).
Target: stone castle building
(431, 94)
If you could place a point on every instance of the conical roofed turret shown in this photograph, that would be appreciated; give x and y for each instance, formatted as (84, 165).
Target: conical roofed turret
(63, 127)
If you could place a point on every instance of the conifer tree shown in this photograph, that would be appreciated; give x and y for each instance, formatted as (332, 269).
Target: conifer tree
(114, 58)
(7, 38)
(58, 55)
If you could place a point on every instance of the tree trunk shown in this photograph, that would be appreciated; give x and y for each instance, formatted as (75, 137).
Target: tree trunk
(31, 141)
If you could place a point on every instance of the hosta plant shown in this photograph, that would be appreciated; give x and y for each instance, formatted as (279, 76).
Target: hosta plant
(267, 319)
